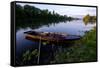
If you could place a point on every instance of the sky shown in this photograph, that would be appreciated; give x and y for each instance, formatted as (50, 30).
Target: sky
(65, 10)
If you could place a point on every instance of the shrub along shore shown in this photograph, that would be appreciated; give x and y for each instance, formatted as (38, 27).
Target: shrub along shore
(84, 50)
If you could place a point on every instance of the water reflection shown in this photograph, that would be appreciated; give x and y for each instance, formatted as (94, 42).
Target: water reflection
(33, 24)
(27, 51)
(89, 22)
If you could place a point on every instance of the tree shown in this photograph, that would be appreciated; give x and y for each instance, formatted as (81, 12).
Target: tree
(89, 18)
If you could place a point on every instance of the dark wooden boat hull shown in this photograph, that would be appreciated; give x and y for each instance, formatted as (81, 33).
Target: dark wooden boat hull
(68, 39)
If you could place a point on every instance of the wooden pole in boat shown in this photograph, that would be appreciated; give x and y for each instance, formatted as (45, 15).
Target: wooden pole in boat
(39, 51)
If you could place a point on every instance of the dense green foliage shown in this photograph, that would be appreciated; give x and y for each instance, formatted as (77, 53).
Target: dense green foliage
(89, 18)
(28, 12)
(84, 50)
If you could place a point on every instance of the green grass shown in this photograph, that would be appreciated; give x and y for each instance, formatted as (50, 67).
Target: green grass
(84, 50)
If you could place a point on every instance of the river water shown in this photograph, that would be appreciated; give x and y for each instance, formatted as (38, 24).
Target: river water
(74, 27)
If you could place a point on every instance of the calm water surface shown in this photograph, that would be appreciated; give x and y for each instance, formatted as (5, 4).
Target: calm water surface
(75, 27)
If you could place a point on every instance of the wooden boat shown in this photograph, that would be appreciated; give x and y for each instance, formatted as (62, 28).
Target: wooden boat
(53, 37)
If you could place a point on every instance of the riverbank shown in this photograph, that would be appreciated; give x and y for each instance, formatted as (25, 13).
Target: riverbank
(83, 50)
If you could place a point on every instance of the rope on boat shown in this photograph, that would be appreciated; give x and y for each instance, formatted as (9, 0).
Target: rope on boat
(39, 51)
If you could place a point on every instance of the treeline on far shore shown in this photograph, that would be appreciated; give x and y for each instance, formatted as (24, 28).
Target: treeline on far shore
(28, 12)
(89, 18)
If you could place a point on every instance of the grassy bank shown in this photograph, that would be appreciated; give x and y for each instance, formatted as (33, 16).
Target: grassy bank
(84, 50)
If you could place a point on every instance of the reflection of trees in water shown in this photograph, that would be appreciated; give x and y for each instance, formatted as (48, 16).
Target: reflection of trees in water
(36, 23)
(86, 23)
